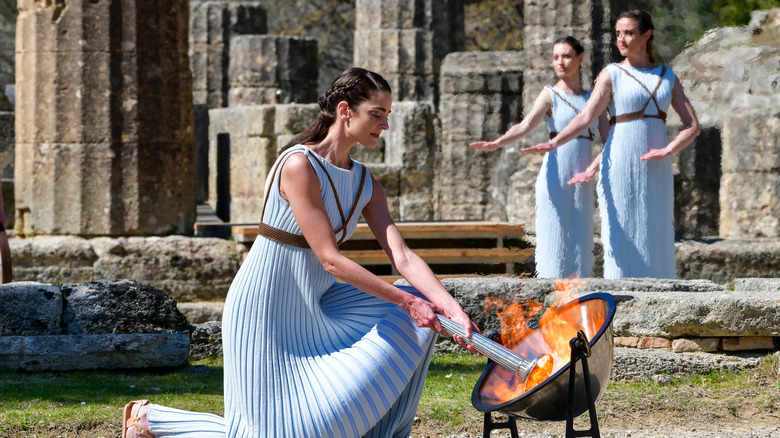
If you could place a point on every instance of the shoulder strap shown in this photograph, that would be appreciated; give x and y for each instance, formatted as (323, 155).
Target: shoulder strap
(576, 111)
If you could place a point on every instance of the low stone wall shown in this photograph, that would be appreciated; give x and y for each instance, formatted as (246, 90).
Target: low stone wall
(101, 324)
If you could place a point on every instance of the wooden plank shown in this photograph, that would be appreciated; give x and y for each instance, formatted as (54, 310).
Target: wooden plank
(447, 256)
(246, 233)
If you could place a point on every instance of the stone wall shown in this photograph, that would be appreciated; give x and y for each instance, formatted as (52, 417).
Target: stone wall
(7, 147)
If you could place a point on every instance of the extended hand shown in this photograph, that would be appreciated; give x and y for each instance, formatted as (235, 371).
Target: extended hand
(484, 145)
(655, 154)
(541, 147)
(583, 177)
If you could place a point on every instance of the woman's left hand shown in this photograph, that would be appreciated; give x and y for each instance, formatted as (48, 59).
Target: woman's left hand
(655, 154)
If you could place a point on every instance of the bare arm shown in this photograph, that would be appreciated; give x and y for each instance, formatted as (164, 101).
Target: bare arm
(542, 103)
(300, 187)
(589, 174)
(690, 130)
(594, 108)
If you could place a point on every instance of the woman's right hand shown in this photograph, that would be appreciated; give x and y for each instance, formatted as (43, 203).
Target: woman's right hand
(585, 176)
(485, 145)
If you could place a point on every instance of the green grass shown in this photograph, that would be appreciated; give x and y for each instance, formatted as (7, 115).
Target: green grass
(92, 400)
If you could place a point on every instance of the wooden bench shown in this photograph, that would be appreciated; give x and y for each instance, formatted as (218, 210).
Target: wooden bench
(451, 248)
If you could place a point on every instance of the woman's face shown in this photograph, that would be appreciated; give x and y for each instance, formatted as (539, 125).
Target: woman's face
(566, 61)
(369, 119)
(628, 38)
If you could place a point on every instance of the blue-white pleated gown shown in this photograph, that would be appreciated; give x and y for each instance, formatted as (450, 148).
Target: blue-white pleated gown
(306, 356)
(636, 198)
(564, 213)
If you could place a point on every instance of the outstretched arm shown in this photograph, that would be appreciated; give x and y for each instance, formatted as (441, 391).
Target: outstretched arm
(690, 130)
(542, 103)
(589, 174)
(594, 108)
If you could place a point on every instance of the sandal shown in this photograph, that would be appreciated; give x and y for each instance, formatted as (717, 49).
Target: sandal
(134, 421)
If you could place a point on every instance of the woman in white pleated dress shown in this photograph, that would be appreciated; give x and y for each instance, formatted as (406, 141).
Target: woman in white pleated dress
(305, 355)
(635, 190)
(564, 210)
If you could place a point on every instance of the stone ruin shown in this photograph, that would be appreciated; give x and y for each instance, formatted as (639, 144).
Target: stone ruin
(211, 132)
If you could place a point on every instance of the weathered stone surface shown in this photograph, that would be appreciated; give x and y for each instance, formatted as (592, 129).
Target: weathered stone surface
(633, 363)
(124, 306)
(201, 312)
(107, 112)
(413, 38)
(653, 342)
(722, 260)
(30, 308)
(698, 344)
(201, 146)
(186, 268)
(481, 99)
(213, 24)
(87, 352)
(750, 185)
(206, 340)
(266, 69)
(757, 284)
(748, 343)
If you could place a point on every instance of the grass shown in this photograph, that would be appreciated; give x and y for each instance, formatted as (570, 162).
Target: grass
(34, 403)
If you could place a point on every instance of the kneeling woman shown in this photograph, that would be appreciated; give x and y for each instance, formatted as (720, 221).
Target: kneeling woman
(306, 355)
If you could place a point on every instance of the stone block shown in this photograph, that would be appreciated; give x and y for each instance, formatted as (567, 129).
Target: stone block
(695, 344)
(29, 309)
(653, 342)
(748, 343)
(625, 341)
(206, 340)
(294, 118)
(750, 142)
(7, 145)
(697, 186)
(124, 306)
(201, 146)
(217, 21)
(251, 160)
(750, 205)
(288, 64)
(201, 312)
(757, 284)
(88, 352)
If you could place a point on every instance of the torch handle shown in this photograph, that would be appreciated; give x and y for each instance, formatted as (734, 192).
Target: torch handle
(493, 350)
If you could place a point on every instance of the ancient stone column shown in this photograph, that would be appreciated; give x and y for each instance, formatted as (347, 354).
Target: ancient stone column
(406, 41)
(212, 26)
(482, 94)
(104, 118)
(270, 69)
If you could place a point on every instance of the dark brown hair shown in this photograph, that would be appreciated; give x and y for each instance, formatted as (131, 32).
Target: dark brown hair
(354, 86)
(573, 42)
(644, 22)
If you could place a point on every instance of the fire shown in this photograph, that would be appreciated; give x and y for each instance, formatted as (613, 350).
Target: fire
(549, 340)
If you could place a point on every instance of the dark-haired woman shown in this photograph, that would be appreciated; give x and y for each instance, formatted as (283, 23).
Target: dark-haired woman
(635, 187)
(305, 355)
(564, 211)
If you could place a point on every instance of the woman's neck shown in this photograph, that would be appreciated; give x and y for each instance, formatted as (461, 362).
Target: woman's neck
(572, 85)
(638, 61)
(334, 149)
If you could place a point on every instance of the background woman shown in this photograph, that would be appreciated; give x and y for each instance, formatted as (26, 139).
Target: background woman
(564, 212)
(636, 187)
(305, 355)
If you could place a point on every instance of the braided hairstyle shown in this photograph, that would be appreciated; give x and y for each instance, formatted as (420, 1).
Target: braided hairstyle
(644, 22)
(354, 86)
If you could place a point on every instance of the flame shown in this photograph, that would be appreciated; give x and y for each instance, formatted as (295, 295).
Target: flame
(549, 341)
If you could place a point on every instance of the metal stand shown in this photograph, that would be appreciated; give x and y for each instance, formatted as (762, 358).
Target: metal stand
(490, 425)
(580, 350)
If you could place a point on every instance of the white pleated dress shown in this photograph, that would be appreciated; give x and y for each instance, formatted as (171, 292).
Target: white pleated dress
(636, 198)
(306, 356)
(564, 213)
